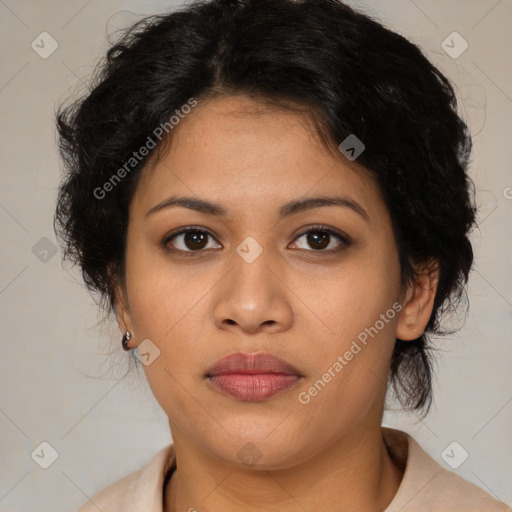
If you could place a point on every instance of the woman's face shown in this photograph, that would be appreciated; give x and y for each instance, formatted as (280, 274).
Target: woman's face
(260, 279)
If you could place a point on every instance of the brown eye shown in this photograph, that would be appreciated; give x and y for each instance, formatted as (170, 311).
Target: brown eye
(189, 240)
(319, 238)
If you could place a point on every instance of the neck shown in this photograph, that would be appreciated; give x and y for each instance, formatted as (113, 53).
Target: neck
(354, 473)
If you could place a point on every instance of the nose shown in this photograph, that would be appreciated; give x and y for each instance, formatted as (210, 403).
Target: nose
(253, 297)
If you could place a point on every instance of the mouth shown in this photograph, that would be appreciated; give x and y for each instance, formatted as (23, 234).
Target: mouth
(252, 377)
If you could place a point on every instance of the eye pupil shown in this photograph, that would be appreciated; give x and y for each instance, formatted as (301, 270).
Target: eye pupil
(195, 239)
(313, 239)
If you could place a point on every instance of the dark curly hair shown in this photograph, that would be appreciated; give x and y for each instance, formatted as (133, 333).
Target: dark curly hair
(347, 71)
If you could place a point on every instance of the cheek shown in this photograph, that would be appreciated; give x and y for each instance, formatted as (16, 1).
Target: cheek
(159, 296)
(167, 319)
(361, 313)
(166, 308)
(358, 295)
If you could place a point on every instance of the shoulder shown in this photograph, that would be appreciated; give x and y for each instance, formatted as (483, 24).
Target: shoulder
(140, 490)
(449, 491)
(428, 487)
(111, 498)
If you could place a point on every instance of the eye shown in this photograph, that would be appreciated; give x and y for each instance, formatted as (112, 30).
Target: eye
(188, 240)
(193, 240)
(320, 237)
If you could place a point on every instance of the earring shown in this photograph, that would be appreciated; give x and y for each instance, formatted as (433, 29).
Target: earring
(127, 336)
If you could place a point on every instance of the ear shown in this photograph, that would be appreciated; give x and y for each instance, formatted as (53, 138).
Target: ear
(122, 309)
(419, 302)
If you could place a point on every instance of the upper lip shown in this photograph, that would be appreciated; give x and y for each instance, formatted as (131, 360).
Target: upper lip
(252, 363)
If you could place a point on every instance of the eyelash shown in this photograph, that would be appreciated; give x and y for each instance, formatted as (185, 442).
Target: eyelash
(344, 239)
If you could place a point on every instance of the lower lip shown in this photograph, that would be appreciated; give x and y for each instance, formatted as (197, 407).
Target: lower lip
(255, 387)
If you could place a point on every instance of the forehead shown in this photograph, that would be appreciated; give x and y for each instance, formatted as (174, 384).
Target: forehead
(245, 155)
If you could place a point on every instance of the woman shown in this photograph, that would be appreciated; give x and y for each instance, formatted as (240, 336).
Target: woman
(272, 198)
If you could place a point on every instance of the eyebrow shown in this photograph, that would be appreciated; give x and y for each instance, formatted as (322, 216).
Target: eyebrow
(286, 210)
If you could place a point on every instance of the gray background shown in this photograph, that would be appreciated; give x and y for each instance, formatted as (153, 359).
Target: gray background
(60, 368)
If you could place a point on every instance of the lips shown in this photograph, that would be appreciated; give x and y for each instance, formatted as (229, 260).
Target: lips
(251, 364)
(252, 377)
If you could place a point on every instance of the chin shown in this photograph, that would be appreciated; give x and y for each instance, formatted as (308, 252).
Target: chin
(261, 449)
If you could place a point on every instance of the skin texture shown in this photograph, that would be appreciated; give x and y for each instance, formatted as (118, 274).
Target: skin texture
(293, 300)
